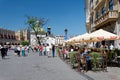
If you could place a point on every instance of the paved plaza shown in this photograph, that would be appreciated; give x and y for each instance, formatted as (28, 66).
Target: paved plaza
(34, 67)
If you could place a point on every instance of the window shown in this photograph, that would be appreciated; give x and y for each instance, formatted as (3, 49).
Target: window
(111, 5)
(103, 10)
(97, 15)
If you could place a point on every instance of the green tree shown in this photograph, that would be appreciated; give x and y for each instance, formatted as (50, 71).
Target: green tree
(24, 43)
(36, 25)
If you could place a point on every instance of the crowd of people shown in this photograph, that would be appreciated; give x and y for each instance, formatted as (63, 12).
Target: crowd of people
(20, 50)
(82, 54)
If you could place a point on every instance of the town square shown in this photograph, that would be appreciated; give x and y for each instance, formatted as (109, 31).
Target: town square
(60, 40)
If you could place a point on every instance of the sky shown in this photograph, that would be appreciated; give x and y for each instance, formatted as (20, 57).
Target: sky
(61, 15)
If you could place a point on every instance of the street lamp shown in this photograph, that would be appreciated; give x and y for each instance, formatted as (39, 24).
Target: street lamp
(49, 30)
(66, 31)
(65, 34)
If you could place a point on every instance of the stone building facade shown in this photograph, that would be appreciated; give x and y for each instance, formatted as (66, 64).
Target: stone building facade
(7, 37)
(12, 37)
(23, 35)
(103, 14)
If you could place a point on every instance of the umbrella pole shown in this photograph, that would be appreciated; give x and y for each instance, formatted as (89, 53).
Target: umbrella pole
(93, 44)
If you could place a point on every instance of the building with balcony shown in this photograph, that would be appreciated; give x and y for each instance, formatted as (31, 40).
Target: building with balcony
(103, 14)
(87, 15)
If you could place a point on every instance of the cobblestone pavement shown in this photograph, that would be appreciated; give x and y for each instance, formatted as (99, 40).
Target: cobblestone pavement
(113, 73)
(34, 67)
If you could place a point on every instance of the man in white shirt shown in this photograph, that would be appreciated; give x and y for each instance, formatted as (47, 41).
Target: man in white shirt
(48, 49)
(111, 47)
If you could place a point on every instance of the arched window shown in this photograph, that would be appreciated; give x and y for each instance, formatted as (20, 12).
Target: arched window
(8, 36)
(5, 36)
(11, 36)
(1, 35)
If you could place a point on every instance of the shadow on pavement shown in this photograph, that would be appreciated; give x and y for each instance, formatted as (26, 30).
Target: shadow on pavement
(86, 76)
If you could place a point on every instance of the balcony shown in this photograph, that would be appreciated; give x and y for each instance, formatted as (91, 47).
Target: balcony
(99, 3)
(107, 17)
(87, 24)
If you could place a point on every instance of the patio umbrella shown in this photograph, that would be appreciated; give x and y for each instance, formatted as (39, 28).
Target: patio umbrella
(85, 37)
(71, 40)
(76, 39)
(101, 34)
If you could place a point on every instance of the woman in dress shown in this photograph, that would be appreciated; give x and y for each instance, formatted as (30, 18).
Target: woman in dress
(23, 51)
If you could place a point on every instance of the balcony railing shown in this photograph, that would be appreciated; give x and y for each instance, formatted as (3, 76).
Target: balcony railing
(107, 17)
(98, 3)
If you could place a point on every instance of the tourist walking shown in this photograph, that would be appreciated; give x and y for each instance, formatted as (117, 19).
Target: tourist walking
(40, 50)
(23, 51)
(32, 48)
(28, 48)
(18, 50)
(3, 52)
(36, 48)
(48, 50)
(44, 49)
(53, 50)
(6, 50)
(64, 53)
(15, 50)
(58, 51)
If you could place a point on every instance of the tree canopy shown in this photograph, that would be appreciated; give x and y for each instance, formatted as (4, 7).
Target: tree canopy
(36, 25)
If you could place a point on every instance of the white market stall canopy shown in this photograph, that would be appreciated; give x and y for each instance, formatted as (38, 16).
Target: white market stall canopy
(98, 35)
(101, 34)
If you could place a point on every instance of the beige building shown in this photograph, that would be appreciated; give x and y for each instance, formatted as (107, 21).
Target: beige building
(103, 14)
(23, 35)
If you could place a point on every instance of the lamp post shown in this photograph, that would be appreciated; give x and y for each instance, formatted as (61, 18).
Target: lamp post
(49, 31)
(66, 34)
